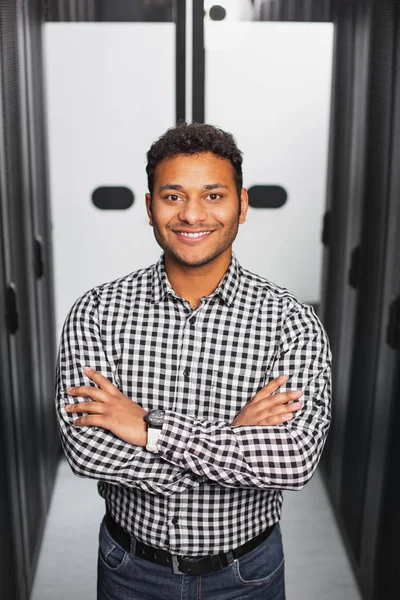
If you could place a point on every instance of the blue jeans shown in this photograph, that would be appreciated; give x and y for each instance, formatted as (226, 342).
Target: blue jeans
(258, 575)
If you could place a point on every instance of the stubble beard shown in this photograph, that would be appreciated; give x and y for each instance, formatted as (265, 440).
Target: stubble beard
(225, 243)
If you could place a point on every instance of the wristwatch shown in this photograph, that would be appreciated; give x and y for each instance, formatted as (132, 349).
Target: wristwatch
(154, 420)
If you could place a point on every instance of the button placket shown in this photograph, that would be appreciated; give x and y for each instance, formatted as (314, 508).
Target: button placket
(174, 530)
(180, 399)
(194, 342)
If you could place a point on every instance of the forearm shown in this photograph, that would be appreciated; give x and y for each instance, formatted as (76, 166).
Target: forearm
(97, 453)
(283, 457)
(260, 457)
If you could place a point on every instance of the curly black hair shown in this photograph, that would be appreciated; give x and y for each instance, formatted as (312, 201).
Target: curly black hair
(194, 138)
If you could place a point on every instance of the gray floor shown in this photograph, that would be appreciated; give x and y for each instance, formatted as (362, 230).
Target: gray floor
(316, 563)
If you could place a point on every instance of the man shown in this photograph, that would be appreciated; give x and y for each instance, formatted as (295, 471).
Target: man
(189, 375)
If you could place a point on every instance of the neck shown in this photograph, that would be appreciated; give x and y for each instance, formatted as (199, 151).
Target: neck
(191, 283)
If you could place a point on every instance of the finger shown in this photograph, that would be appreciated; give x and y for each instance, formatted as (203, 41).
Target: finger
(271, 387)
(104, 383)
(87, 391)
(91, 420)
(264, 412)
(278, 419)
(282, 409)
(89, 407)
(283, 397)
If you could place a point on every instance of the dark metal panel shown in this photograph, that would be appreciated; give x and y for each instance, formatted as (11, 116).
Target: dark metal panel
(296, 10)
(29, 344)
(382, 516)
(370, 299)
(343, 209)
(386, 571)
(274, 10)
(107, 11)
(364, 181)
(12, 567)
(322, 10)
(17, 234)
(12, 558)
(198, 63)
(39, 206)
(180, 59)
(303, 10)
(285, 10)
(346, 189)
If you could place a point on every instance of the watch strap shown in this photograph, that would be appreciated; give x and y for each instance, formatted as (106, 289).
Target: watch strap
(152, 438)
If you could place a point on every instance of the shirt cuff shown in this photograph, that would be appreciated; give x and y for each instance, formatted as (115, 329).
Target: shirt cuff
(174, 437)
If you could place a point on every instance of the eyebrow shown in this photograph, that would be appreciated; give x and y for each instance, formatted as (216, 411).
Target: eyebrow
(176, 186)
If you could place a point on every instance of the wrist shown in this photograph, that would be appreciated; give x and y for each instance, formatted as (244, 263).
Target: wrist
(141, 433)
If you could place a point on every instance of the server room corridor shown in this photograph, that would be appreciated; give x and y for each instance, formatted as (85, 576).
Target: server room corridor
(310, 90)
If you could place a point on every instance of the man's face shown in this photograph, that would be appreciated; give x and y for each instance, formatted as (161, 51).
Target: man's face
(195, 208)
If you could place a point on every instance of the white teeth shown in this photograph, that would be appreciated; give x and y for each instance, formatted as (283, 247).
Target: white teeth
(194, 235)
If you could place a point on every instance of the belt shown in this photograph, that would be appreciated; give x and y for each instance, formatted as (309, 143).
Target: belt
(181, 565)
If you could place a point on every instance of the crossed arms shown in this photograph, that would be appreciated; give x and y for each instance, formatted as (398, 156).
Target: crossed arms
(270, 444)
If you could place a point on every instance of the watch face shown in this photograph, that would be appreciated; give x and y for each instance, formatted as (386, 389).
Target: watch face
(156, 418)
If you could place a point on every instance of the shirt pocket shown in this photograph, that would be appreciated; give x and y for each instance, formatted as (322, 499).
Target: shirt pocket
(232, 388)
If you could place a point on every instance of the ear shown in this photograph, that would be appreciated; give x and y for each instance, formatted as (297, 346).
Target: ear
(244, 205)
(148, 208)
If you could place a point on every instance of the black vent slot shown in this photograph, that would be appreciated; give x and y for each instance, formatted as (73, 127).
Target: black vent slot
(113, 198)
(267, 196)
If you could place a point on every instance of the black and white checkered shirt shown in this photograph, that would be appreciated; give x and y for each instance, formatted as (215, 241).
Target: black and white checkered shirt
(211, 487)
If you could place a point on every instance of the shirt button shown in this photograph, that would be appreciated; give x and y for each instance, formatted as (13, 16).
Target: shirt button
(175, 521)
(186, 373)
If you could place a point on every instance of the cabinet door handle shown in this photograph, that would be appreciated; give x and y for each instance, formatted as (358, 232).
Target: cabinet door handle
(355, 267)
(326, 229)
(393, 326)
(39, 260)
(12, 316)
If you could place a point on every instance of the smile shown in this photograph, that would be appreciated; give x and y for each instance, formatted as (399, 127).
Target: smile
(193, 235)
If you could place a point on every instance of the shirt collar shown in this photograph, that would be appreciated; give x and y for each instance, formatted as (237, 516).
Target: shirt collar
(226, 288)
(229, 284)
(161, 285)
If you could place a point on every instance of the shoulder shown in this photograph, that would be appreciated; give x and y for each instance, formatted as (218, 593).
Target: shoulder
(277, 302)
(273, 294)
(120, 290)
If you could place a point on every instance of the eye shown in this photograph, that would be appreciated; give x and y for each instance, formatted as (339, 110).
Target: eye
(173, 197)
(214, 196)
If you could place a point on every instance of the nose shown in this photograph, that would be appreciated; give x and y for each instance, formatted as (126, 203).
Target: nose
(192, 211)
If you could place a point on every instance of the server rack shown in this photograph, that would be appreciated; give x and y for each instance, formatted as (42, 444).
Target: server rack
(30, 445)
(360, 305)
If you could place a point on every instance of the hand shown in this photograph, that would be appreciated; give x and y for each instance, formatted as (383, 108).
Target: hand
(265, 409)
(110, 409)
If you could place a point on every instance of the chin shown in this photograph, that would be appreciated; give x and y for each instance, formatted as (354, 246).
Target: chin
(195, 261)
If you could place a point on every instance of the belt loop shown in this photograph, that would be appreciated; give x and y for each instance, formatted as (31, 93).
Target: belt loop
(132, 549)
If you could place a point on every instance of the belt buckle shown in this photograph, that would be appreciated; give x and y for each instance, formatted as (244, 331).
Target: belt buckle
(175, 565)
